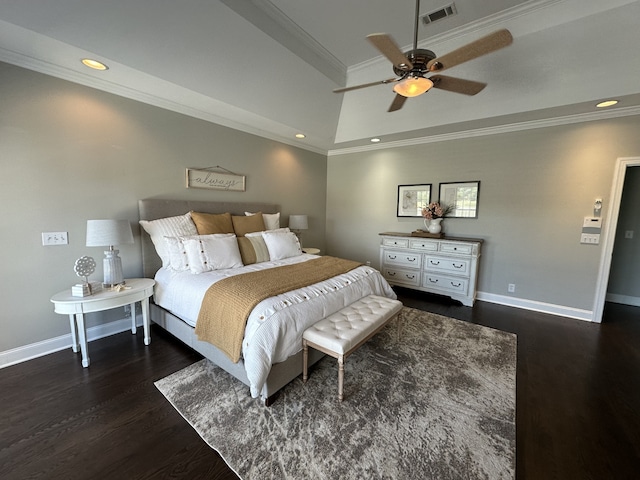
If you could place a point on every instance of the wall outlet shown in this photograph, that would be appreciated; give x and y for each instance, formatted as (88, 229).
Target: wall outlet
(511, 288)
(368, 263)
(55, 238)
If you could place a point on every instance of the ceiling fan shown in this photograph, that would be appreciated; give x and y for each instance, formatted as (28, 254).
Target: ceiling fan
(412, 67)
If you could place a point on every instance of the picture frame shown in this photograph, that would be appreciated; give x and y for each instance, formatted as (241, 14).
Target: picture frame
(412, 198)
(209, 179)
(463, 197)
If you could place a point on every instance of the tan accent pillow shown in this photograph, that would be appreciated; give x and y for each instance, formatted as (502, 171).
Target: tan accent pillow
(211, 223)
(253, 249)
(244, 225)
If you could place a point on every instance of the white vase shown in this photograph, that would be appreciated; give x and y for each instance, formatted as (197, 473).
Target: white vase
(434, 225)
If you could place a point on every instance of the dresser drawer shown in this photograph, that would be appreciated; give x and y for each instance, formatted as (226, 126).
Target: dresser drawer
(456, 248)
(449, 265)
(402, 277)
(443, 283)
(405, 259)
(395, 242)
(424, 245)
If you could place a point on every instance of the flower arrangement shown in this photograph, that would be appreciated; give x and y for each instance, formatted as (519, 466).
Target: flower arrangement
(435, 210)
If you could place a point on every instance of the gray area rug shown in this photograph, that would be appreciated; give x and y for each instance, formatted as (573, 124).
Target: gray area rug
(436, 403)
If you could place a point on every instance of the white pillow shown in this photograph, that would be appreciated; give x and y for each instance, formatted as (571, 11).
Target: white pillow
(212, 252)
(259, 247)
(178, 259)
(168, 227)
(271, 220)
(282, 244)
(259, 234)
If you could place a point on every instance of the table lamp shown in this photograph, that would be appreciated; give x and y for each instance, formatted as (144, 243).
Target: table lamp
(107, 233)
(297, 223)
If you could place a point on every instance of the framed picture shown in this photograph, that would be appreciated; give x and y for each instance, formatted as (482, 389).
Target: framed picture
(215, 180)
(462, 197)
(412, 199)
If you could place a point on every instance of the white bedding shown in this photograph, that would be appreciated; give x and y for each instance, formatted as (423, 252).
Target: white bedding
(274, 328)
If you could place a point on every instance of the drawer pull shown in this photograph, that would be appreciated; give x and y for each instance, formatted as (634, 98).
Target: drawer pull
(392, 257)
(391, 274)
(433, 281)
(409, 259)
(410, 277)
(434, 263)
(457, 266)
(457, 285)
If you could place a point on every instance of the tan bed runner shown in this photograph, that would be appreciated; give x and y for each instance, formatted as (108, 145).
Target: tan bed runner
(227, 303)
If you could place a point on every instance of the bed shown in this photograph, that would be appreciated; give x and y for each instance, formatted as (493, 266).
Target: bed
(272, 341)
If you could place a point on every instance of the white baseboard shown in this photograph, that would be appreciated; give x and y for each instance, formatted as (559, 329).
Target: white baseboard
(45, 347)
(525, 304)
(34, 350)
(624, 299)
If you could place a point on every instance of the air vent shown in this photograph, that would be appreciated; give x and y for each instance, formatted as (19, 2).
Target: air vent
(439, 14)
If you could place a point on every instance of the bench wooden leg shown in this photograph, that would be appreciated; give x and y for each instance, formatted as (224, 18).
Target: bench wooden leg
(305, 360)
(340, 376)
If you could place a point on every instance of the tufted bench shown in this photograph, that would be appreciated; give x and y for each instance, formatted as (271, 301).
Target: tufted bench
(342, 333)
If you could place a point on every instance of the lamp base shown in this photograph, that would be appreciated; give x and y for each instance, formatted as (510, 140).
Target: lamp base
(112, 265)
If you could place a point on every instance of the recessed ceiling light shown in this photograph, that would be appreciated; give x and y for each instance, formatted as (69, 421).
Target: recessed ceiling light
(300, 135)
(375, 140)
(96, 65)
(607, 103)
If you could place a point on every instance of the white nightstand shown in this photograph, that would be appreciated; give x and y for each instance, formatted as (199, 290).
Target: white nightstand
(139, 290)
(311, 250)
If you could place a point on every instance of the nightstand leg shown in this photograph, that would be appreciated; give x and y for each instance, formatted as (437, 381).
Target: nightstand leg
(145, 320)
(133, 318)
(74, 333)
(82, 333)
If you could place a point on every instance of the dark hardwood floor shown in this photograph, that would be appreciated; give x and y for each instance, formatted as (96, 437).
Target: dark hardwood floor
(578, 403)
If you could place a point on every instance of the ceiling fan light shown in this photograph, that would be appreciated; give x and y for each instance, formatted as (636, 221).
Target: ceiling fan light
(413, 86)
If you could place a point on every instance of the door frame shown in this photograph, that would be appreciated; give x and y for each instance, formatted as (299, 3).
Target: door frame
(609, 234)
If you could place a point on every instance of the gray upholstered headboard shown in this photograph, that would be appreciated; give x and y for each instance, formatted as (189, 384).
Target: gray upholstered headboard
(154, 208)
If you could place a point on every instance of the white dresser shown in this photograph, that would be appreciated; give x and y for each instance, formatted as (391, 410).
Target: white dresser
(448, 266)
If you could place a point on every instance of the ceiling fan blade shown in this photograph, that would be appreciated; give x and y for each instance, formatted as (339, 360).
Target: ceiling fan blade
(457, 85)
(397, 103)
(389, 48)
(490, 43)
(365, 85)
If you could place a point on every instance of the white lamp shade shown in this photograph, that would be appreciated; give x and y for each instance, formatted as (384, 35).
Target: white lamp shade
(298, 222)
(104, 233)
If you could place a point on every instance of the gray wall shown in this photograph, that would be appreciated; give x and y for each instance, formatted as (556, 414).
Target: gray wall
(70, 153)
(624, 281)
(536, 187)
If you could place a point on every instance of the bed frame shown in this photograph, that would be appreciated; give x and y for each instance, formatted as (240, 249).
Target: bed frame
(154, 208)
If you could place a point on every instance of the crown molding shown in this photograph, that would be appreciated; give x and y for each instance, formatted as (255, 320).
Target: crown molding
(496, 130)
(274, 22)
(103, 85)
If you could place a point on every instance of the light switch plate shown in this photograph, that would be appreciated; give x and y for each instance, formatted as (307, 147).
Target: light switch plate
(590, 238)
(55, 238)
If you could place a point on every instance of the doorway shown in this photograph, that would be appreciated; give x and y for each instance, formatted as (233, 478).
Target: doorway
(609, 237)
